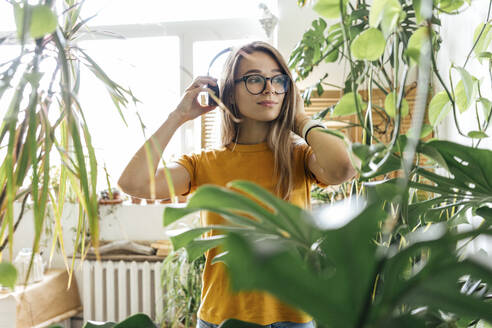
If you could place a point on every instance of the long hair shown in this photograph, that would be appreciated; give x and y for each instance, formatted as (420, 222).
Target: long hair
(279, 137)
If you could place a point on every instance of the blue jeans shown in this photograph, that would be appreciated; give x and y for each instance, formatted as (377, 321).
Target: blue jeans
(285, 324)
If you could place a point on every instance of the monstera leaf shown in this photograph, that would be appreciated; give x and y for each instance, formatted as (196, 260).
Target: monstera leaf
(280, 220)
(466, 184)
(327, 263)
(138, 320)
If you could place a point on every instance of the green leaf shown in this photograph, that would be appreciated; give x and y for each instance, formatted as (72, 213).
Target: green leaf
(334, 297)
(376, 12)
(486, 213)
(449, 5)
(439, 107)
(182, 237)
(465, 90)
(485, 54)
(172, 214)
(333, 56)
(329, 8)
(426, 130)
(392, 16)
(138, 320)
(486, 106)
(368, 45)
(477, 134)
(416, 7)
(439, 290)
(485, 38)
(387, 12)
(90, 324)
(319, 89)
(383, 190)
(8, 275)
(470, 180)
(417, 44)
(43, 21)
(22, 20)
(346, 105)
(197, 247)
(390, 105)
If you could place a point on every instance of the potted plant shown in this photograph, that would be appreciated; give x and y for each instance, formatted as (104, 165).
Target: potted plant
(398, 259)
(181, 281)
(44, 116)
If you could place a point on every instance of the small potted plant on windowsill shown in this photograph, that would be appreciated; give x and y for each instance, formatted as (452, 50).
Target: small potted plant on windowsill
(110, 197)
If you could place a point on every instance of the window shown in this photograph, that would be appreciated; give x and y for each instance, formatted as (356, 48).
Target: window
(150, 68)
(159, 47)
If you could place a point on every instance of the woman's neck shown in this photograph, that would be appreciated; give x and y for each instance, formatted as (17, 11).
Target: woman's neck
(252, 132)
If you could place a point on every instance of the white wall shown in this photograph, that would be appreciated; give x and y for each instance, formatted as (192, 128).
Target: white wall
(117, 222)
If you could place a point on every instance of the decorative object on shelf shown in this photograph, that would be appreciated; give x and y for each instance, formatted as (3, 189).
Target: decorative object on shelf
(163, 247)
(21, 263)
(267, 20)
(123, 247)
(110, 197)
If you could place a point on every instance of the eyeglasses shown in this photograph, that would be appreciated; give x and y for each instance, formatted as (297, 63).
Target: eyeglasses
(256, 83)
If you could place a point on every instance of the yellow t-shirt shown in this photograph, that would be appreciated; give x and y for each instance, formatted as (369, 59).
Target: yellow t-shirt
(254, 163)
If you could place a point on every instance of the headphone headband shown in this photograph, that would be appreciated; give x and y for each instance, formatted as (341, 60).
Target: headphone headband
(223, 51)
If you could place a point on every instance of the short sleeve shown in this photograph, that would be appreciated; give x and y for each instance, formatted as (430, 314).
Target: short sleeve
(307, 152)
(189, 162)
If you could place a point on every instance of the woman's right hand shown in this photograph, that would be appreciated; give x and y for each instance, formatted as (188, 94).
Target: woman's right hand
(189, 108)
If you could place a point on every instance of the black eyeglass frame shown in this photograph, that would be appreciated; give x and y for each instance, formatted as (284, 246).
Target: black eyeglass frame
(265, 80)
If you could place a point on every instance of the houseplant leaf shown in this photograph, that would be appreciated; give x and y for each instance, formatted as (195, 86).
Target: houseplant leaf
(368, 45)
(477, 134)
(8, 274)
(346, 105)
(485, 37)
(439, 107)
(329, 8)
(486, 106)
(325, 294)
(450, 5)
(390, 105)
(387, 12)
(465, 90)
(417, 44)
(43, 21)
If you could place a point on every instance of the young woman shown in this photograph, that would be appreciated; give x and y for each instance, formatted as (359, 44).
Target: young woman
(258, 145)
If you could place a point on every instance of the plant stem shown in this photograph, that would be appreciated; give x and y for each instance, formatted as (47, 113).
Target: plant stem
(353, 79)
(479, 35)
(450, 94)
(21, 214)
(419, 109)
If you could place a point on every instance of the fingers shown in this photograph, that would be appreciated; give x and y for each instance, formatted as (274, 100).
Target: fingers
(201, 81)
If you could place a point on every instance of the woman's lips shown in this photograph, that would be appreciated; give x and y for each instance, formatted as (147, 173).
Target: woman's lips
(267, 103)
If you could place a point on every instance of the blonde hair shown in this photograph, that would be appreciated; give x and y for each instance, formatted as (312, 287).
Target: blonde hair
(279, 137)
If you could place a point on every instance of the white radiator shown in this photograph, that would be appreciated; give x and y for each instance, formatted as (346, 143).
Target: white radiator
(114, 290)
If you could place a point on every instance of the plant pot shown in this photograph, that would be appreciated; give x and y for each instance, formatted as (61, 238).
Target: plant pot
(110, 201)
(136, 200)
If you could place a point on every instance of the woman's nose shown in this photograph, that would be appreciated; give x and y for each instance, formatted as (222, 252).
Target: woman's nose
(268, 87)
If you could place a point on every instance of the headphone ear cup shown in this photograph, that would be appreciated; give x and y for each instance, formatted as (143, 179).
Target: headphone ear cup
(215, 89)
